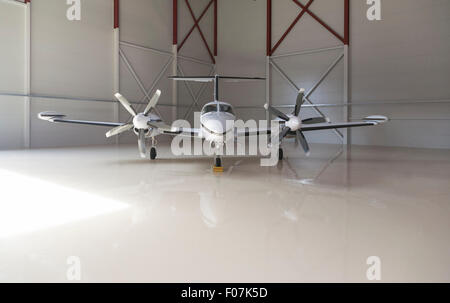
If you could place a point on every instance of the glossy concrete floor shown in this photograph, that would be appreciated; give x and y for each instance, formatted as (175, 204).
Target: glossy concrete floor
(315, 219)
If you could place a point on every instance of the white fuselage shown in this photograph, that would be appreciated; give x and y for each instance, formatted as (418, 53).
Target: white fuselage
(217, 120)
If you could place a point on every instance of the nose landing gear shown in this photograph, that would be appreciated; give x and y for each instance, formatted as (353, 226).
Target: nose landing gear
(218, 168)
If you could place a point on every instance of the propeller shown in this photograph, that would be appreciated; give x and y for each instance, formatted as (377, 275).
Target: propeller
(118, 130)
(126, 104)
(293, 123)
(152, 103)
(141, 143)
(140, 122)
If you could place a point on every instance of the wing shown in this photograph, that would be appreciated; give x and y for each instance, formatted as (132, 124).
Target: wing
(249, 132)
(369, 121)
(175, 131)
(185, 132)
(60, 118)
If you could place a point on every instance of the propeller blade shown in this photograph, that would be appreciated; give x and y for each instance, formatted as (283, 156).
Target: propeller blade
(118, 130)
(141, 144)
(276, 112)
(152, 103)
(125, 103)
(301, 138)
(299, 102)
(284, 133)
(315, 120)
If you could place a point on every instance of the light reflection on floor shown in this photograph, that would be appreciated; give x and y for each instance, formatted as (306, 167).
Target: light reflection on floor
(173, 220)
(30, 205)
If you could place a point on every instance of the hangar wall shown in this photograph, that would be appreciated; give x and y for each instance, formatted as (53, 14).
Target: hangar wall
(402, 58)
(74, 60)
(71, 59)
(149, 24)
(12, 74)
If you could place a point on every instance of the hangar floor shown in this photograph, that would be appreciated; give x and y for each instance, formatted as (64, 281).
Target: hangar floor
(174, 220)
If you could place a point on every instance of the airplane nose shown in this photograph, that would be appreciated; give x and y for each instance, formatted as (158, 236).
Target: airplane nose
(217, 126)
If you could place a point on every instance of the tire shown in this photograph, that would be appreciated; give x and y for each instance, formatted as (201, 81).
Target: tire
(153, 153)
(218, 162)
(280, 154)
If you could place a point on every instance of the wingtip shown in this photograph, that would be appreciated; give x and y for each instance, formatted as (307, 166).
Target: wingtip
(377, 119)
(49, 116)
(117, 95)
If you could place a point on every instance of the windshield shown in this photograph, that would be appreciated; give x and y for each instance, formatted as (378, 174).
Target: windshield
(209, 108)
(226, 109)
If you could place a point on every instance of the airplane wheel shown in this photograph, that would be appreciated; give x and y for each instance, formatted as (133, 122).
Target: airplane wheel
(153, 153)
(280, 154)
(218, 162)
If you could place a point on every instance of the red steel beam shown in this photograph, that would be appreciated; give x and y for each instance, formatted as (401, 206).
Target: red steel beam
(175, 22)
(215, 28)
(200, 30)
(193, 27)
(347, 22)
(304, 10)
(269, 28)
(320, 21)
(116, 13)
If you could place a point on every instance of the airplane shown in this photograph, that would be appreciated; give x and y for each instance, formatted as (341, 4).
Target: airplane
(213, 121)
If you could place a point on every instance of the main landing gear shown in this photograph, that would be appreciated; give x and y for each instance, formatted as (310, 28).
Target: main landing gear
(153, 152)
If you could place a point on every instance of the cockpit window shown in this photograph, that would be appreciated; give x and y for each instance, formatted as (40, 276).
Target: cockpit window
(226, 109)
(209, 108)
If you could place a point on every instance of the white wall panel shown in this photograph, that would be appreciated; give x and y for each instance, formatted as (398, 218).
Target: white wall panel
(12, 74)
(11, 122)
(403, 57)
(72, 58)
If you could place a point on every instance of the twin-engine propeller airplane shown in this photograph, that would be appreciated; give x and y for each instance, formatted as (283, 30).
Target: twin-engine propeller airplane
(216, 121)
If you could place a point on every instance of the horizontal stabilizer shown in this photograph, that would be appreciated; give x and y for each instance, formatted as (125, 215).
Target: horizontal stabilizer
(213, 78)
